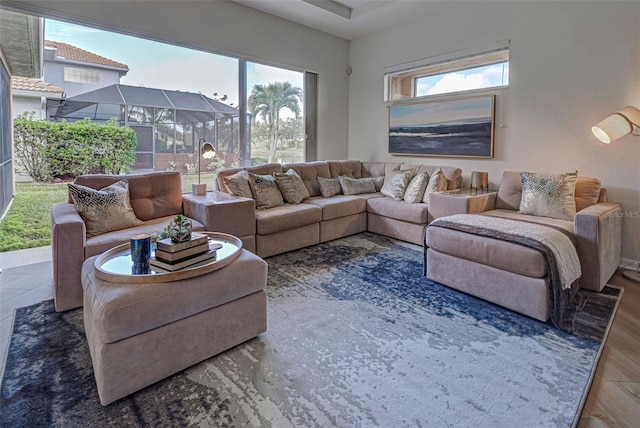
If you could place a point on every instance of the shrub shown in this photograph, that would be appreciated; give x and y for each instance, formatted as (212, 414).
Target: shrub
(46, 149)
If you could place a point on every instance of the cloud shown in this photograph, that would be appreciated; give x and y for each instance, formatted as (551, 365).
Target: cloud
(454, 82)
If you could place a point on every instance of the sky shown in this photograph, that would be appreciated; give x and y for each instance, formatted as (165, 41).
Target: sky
(159, 65)
(440, 112)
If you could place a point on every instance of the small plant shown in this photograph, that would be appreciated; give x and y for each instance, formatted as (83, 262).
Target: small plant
(179, 229)
(192, 165)
(172, 166)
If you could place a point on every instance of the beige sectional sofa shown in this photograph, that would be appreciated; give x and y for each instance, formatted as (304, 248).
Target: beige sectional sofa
(512, 275)
(319, 219)
(156, 198)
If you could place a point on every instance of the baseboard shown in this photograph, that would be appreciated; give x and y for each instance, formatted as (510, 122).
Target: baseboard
(629, 264)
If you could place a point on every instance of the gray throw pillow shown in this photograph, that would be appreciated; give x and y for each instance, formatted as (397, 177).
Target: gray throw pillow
(549, 195)
(329, 186)
(265, 191)
(106, 209)
(291, 186)
(238, 183)
(377, 182)
(356, 186)
(416, 187)
(396, 183)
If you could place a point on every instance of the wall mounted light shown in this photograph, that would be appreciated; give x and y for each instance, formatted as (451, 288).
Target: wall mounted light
(206, 151)
(617, 125)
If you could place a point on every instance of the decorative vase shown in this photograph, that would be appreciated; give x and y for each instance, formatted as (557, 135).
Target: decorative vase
(180, 229)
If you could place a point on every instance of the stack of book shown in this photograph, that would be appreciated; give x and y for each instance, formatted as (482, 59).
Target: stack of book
(173, 256)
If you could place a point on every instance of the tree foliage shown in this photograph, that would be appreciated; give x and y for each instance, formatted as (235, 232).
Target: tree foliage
(266, 102)
(48, 149)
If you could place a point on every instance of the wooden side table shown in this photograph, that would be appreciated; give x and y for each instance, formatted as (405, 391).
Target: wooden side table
(442, 204)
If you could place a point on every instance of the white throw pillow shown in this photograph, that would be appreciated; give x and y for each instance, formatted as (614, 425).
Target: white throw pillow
(437, 183)
(395, 184)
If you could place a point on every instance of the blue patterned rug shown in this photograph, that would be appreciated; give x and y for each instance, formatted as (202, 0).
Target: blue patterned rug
(357, 337)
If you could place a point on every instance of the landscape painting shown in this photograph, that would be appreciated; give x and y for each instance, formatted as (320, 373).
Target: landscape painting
(462, 127)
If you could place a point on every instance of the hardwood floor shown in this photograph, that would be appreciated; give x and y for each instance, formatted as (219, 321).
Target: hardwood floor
(613, 401)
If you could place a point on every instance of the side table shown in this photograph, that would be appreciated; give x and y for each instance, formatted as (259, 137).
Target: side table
(442, 204)
(222, 212)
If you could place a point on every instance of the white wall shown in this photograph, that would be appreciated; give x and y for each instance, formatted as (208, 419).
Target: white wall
(226, 27)
(571, 64)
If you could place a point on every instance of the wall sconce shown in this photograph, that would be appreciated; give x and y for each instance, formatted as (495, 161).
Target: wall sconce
(617, 125)
(207, 151)
(480, 180)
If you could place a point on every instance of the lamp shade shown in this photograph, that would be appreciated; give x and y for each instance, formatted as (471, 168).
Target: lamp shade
(479, 180)
(617, 125)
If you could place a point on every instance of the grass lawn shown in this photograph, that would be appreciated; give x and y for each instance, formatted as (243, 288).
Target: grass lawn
(28, 221)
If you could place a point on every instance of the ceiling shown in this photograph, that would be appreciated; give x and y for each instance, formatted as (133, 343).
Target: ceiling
(348, 19)
(20, 43)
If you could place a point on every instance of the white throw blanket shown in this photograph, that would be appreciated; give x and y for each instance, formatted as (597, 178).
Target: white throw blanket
(559, 244)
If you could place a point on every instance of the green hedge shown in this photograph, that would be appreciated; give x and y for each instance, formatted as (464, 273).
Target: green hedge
(49, 149)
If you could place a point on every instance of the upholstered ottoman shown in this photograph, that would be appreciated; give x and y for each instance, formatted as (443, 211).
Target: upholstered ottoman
(139, 334)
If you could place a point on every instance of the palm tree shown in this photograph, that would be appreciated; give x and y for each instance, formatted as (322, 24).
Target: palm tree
(266, 101)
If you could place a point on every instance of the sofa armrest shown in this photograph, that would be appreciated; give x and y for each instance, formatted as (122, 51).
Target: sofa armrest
(222, 212)
(68, 238)
(598, 230)
(442, 204)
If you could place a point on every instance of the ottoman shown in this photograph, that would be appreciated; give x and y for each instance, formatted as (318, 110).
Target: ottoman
(139, 334)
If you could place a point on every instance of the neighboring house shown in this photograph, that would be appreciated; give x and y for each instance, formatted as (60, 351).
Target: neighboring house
(31, 94)
(77, 71)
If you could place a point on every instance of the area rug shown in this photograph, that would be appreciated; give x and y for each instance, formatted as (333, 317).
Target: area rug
(357, 337)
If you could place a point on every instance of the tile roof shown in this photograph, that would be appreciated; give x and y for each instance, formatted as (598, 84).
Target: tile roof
(73, 53)
(30, 84)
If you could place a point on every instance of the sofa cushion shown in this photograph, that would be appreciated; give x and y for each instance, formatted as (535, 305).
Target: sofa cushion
(549, 195)
(399, 210)
(378, 169)
(329, 186)
(287, 217)
(510, 191)
(415, 189)
(555, 222)
(396, 183)
(106, 209)
(238, 184)
(309, 172)
(356, 186)
(350, 168)
(587, 192)
(291, 186)
(339, 205)
(152, 195)
(453, 174)
(265, 191)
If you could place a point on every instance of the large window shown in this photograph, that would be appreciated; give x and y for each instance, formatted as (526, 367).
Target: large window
(82, 75)
(469, 70)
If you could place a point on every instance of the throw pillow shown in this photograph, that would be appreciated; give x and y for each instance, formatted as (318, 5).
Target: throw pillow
(377, 182)
(106, 209)
(416, 188)
(291, 186)
(238, 183)
(329, 186)
(437, 183)
(356, 186)
(396, 183)
(549, 195)
(265, 191)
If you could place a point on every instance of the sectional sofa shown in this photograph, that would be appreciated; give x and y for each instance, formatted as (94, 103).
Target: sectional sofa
(319, 219)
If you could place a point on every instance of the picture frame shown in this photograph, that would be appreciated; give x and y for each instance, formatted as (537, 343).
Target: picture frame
(462, 127)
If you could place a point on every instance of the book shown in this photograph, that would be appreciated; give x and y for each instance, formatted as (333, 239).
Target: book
(178, 256)
(171, 247)
(211, 254)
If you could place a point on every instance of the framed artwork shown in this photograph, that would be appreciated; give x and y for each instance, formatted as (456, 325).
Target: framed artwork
(461, 127)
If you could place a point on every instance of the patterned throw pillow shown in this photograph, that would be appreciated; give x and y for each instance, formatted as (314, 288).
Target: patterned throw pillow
(396, 183)
(106, 209)
(238, 183)
(356, 186)
(437, 183)
(265, 191)
(377, 182)
(415, 189)
(329, 186)
(549, 195)
(291, 186)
